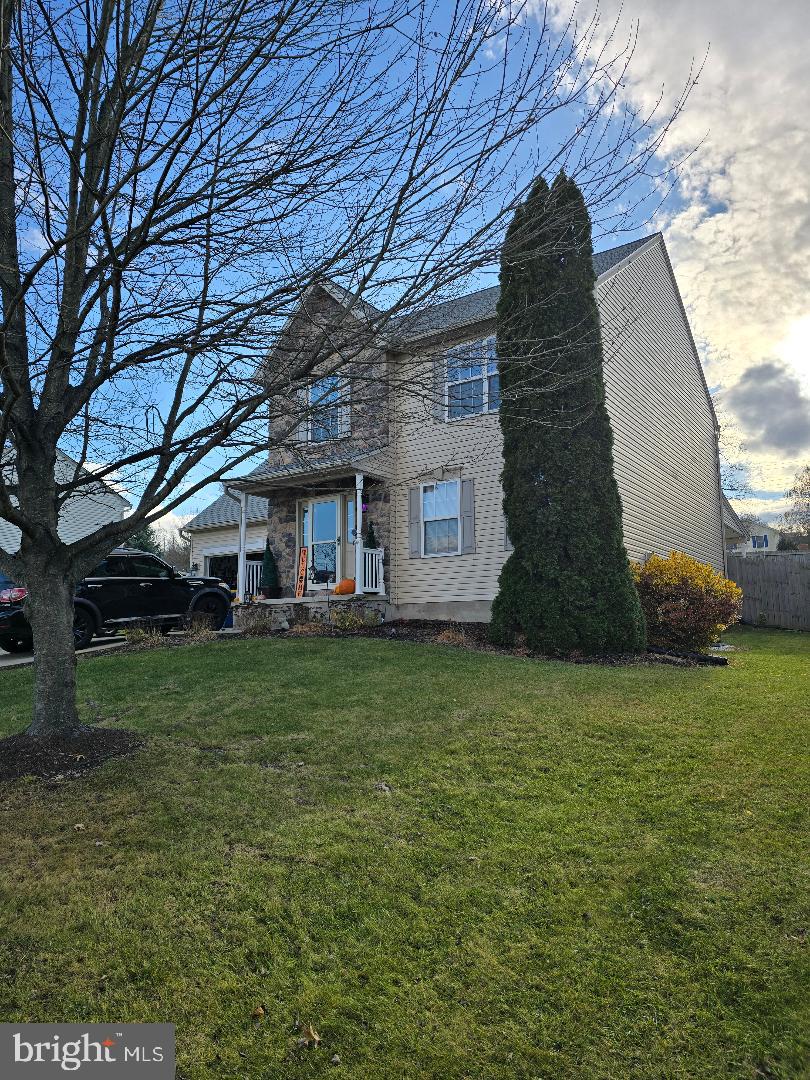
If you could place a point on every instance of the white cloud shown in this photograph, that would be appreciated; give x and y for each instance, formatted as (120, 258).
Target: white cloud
(768, 510)
(171, 522)
(740, 243)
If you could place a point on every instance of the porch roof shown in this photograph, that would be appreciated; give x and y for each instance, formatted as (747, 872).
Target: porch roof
(338, 465)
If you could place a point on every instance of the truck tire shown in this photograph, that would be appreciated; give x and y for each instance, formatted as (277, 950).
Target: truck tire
(210, 609)
(16, 645)
(84, 627)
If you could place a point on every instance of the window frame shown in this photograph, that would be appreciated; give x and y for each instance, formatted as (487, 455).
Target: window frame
(422, 519)
(487, 359)
(341, 405)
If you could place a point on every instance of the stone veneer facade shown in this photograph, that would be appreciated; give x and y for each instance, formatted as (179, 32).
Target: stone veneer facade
(283, 518)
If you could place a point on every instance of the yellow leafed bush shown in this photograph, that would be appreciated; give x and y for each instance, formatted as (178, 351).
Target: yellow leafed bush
(687, 603)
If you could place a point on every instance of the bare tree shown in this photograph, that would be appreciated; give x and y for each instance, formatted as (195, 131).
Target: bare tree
(796, 518)
(735, 461)
(174, 175)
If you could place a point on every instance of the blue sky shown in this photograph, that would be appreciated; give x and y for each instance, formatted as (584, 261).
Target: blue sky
(738, 230)
(738, 226)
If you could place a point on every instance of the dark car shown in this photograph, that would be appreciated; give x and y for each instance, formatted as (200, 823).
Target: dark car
(128, 588)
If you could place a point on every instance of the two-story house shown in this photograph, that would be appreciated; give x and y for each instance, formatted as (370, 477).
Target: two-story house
(407, 439)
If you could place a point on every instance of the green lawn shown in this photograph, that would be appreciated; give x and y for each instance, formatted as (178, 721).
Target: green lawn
(578, 871)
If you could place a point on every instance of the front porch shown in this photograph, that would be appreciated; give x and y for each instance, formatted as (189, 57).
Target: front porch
(327, 525)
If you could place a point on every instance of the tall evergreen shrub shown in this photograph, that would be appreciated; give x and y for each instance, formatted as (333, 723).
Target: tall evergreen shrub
(268, 582)
(567, 585)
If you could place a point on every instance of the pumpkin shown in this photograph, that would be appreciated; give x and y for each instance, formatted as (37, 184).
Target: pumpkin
(345, 587)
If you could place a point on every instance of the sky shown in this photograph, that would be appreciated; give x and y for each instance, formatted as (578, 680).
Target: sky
(738, 226)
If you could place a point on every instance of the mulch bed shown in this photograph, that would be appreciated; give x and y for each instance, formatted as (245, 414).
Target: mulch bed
(56, 757)
(467, 635)
(475, 636)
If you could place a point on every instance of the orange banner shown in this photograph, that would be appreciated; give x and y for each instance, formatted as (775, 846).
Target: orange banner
(301, 580)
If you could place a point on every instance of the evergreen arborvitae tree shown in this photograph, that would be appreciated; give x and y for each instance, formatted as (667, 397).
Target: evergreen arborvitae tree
(567, 585)
(269, 576)
(145, 539)
(371, 537)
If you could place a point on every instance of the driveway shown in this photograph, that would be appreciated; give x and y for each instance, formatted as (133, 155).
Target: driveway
(8, 660)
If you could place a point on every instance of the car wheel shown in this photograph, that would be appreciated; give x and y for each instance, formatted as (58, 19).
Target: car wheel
(16, 645)
(84, 628)
(211, 610)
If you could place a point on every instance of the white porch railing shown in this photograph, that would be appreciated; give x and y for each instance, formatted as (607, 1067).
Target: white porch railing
(373, 571)
(253, 577)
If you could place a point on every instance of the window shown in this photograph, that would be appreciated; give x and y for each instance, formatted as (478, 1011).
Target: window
(327, 410)
(473, 384)
(147, 566)
(113, 566)
(760, 541)
(440, 518)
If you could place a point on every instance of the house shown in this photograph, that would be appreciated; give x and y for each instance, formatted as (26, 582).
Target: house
(734, 532)
(759, 539)
(83, 512)
(214, 535)
(408, 440)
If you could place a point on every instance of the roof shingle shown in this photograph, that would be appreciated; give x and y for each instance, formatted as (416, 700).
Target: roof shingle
(480, 306)
(225, 511)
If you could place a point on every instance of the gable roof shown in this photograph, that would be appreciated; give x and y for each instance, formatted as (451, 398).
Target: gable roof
(480, 306)
(331, 462)
(225, 511)
(731, 523)
(109, 491)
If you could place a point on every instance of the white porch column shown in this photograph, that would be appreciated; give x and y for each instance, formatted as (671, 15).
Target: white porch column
(358, 538)
(241, 563)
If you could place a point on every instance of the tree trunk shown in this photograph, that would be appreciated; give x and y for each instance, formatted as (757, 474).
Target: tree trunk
(49, 610)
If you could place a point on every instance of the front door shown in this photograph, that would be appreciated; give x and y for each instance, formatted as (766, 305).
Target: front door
(322, 537)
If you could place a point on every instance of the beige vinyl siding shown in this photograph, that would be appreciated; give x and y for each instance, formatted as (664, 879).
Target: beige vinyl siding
(224, 540)
(665, 449)
(468, 449)
(665, 444)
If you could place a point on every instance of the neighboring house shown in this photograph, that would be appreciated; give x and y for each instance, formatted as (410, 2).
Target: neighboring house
(734, 532)
(759, 539)
(214, 534)
(419, 454)
(83, 512)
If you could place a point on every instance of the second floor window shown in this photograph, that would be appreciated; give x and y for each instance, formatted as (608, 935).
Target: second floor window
(328, 410)
(473, 385)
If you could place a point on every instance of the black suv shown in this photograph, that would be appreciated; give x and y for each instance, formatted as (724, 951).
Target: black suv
(129, 588)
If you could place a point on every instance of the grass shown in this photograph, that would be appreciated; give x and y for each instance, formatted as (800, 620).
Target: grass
(450, 864)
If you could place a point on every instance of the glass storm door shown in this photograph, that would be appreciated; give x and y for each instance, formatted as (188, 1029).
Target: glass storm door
(322, 521)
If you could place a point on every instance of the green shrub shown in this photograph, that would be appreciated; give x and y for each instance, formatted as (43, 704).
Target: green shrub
(687, 603)
(344, 618)
(144, 637)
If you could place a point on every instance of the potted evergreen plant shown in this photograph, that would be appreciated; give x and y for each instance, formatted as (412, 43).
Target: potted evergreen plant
(268, 584)
(371, 539)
